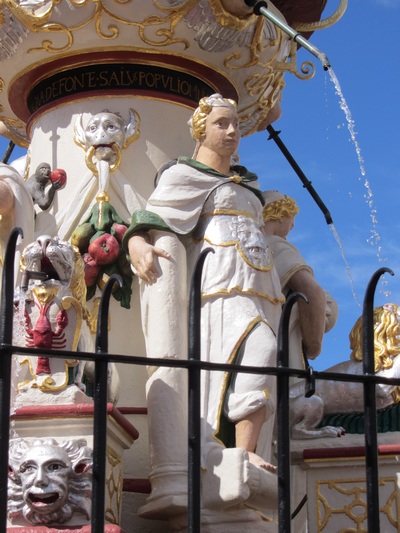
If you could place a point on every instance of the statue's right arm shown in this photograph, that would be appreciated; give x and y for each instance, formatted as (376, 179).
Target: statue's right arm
(143, 255)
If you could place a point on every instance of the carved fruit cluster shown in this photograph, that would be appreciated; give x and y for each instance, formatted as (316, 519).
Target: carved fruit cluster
(99, 239)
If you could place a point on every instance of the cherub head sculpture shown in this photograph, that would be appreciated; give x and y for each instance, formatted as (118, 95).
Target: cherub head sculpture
(49, 482)
(105, 135)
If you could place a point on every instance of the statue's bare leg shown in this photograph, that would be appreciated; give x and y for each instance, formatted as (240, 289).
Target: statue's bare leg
(247, 432)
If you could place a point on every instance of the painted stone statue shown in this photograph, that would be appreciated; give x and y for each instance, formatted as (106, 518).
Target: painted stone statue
(203, 202)
(49, 481)
(16, 210)
(50, 312)
(37, 185)
(103, 138)
(309, 321)
(333, 397)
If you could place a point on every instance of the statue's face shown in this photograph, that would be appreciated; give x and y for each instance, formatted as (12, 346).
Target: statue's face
(104, 130)
(43, 172)
(222, 134)
(44, 473)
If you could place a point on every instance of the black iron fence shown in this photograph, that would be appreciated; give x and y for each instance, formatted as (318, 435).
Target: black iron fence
(194, 366)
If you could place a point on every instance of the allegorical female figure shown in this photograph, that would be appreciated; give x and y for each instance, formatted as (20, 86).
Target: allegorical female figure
(207, 202)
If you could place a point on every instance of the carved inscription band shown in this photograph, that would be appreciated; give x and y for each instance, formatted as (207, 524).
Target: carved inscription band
(122, 78)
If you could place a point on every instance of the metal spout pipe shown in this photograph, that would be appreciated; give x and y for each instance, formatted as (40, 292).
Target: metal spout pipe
(261, 8)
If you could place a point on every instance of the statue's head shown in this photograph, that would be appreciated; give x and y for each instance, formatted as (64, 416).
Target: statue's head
(278, 205)
(106, 134)
(48, 481)
(105, 129)
(58, 259)
(42, 173)
(197, 122)
(386, 336)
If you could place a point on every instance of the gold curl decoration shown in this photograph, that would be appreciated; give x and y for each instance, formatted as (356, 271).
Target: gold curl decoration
(15, 129)
(266, 101)
(322, 24)
(41, 23)
(256, 47)
(307, 68)
(226, 19)
(47, 45)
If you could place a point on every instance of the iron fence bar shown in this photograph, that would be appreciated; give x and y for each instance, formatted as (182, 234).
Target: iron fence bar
(100, 410)
(205, 365)
(6, 332)
(284, 514)
(194, 388)
(370, 424)
(369, 379)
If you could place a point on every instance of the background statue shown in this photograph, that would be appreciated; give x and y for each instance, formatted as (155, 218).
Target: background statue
(39, 181)
(49, 481)
(50, 313)
(346, 397)
(16, 210)
(308, 321)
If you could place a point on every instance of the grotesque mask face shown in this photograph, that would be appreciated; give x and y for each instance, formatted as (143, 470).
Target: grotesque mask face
(105, 136)
(104, 130)
(44, 473)
(49, 482)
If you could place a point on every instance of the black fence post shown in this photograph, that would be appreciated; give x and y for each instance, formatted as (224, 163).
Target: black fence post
(283, 430)
(6, 333)
(370, 428)
(194, 391)
(100, 409)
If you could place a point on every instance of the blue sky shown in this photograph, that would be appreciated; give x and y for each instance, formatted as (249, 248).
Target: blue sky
(362, 48)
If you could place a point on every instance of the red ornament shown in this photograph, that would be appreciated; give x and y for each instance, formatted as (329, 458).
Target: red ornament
(58, 176)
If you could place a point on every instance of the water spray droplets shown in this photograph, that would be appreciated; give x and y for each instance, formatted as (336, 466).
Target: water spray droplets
(348, 272)
(374, 238)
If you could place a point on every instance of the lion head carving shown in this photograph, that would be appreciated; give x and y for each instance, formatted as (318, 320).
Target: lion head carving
(61, 262)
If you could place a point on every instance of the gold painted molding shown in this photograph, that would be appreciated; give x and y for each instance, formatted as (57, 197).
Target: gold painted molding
(227, 19)
(325, 23)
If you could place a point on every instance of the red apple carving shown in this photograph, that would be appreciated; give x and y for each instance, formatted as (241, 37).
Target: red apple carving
(119, 230)
(92, 270)
(58, 176)
(104, 249)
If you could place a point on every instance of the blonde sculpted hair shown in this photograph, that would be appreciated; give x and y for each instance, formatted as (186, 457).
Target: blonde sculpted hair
(278, 205)
(197, 122)
(386, 339)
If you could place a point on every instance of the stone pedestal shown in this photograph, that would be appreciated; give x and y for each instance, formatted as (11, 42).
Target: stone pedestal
(332, 474)
(64, 422)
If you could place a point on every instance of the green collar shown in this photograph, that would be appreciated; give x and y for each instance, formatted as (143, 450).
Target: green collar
(238, 169)
(246, 176)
